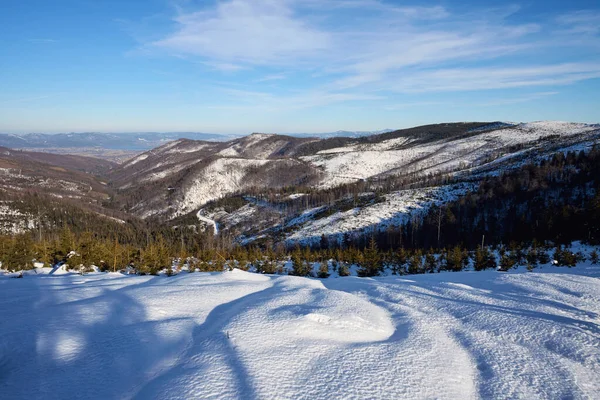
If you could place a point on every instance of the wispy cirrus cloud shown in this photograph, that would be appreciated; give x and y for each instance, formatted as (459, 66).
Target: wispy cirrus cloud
(374, 48)
(255, 32)
(581, 22)
(42, 40)
(272, 77)
(469, 79)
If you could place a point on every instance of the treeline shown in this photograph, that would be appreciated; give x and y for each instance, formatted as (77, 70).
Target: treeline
(82, 252)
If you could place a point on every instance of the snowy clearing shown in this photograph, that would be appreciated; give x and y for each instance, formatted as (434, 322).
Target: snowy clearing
(242, 335)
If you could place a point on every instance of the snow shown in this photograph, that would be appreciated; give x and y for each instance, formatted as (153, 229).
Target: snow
(396, 210)
(189, 148)
(295, 196)
(221, 177)
(208, 221)
(400, 155)
(13, 221)
(242, 335)
(135, 160)
(242, 214)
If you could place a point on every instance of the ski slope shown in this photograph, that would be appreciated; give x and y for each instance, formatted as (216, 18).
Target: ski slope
(236, 335)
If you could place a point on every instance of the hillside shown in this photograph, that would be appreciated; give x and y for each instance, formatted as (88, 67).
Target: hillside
(39, 190)
(310, 187)
(277, 188)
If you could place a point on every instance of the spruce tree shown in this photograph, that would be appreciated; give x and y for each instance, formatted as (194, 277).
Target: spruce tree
(372, 260)
(415, 263)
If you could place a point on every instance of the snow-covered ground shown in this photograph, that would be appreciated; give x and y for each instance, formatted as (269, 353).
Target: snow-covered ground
(242, 335)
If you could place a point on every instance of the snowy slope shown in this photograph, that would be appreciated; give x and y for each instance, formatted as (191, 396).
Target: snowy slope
(396, 210)
(406, 156)
(241, 335)
(222, 177)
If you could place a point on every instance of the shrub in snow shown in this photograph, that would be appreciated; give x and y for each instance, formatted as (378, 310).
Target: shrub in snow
(564, 257)
(300, 267)
(371, 264)
(323, 271)
(456, 259)
(343, 269)
(594, 257)
(543, 257)
(507, 261)
(415, 263)
(431, 263)
(484, 259)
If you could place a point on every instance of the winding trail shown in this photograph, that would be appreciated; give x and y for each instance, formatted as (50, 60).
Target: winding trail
(209, 221)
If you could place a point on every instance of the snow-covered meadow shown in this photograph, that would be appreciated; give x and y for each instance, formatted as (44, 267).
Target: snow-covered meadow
(242, 335)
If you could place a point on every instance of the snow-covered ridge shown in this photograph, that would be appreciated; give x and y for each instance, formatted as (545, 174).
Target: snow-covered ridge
(355, 162)
(200, 172)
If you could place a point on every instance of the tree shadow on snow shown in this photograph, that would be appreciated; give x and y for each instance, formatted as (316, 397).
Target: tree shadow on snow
(58, 342)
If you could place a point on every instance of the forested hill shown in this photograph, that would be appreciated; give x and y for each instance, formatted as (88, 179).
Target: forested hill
(436, 186)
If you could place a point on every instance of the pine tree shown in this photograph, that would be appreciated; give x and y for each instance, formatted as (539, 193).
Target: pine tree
(299, 265)
(456, 259)
(372, 260)
(20, 256)
(507, 261)
(532, 259)
(431, 263)
(343, 269)
(415, 263)
(483, 259)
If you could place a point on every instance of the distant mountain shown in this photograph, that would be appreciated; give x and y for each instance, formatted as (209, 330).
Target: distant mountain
(115, 141)
(353, 134)
(134, 141)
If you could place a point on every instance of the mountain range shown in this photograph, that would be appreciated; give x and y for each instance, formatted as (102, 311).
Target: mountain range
(139, 141)
(285, 188)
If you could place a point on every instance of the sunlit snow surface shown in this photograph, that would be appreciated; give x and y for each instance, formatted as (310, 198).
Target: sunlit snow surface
(241, 335)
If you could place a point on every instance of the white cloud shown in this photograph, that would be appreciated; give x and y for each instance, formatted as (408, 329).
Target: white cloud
(272, 77)
(581, 22)
(467, 79)
(257, 32)
(223, 66)
(363, 49)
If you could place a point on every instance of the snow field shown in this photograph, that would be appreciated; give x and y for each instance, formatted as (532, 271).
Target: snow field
(242, 335)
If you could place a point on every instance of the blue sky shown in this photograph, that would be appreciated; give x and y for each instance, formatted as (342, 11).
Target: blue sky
(241, 66)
